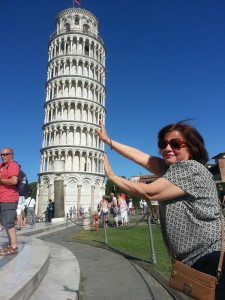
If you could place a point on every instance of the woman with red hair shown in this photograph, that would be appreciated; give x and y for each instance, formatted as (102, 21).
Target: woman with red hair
(123, 209)
(190, 213)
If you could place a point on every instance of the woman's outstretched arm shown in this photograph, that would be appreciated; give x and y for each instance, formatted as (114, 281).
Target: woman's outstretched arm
(160, 189)
(147, 161)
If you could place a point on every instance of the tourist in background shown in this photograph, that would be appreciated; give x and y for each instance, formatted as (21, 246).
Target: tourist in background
(74, 213)
(131, 207)
(23, 192)
(145, 207)
(89, 211)
(221, 194)
(141, 206)
(81, 210)
(71, 213)
(30, 204)
(50, 210)
(115, 208)
(104, 208)
(21, 218)
(23, 215)
(123, 209)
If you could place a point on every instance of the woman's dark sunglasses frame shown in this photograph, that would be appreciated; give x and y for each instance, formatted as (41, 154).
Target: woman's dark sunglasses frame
(175, 144)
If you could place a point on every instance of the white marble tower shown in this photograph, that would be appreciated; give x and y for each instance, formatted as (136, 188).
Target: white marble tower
(75, 101)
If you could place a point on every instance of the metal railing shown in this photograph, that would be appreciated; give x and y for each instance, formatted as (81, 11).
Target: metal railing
(146, 216)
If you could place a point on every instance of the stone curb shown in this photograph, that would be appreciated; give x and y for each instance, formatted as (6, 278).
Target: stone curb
(21, 275)
(62, 279)
(26, 271)
(59, 263)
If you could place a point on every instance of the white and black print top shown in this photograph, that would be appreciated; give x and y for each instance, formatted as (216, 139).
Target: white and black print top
(191, 224)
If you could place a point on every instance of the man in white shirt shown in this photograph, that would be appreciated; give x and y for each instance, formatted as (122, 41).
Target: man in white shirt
(30, 204)
(131, 207)
(141, 206)
(145, 206)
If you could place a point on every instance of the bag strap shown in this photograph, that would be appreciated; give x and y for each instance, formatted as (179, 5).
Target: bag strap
(220, 265)
(10, 163)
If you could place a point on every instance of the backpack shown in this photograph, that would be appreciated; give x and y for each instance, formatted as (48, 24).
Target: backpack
(22, 184)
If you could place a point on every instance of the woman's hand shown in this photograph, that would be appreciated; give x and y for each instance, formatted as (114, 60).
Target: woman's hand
(108, 170)
(102, 133)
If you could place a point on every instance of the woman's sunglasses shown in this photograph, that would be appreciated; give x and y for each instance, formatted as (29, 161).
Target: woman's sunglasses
(174, 143)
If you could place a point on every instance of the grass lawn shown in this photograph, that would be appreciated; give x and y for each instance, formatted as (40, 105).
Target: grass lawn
(133, 241)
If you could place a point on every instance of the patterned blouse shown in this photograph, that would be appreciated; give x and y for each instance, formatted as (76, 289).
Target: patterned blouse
(191, 224)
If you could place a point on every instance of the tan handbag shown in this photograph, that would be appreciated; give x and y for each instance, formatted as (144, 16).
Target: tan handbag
(192, 282)
(196, 284)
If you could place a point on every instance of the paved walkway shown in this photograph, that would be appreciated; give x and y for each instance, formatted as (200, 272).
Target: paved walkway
(104, 274)
(107, 275)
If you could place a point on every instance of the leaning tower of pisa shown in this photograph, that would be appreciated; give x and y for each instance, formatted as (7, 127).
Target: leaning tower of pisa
(75, 101)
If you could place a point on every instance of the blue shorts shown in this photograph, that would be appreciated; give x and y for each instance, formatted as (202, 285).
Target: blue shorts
(8, 214)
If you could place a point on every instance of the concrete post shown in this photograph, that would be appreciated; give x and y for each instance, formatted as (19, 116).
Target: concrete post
(79, 196)
(153, 256)
(59, 197)
(92, 198)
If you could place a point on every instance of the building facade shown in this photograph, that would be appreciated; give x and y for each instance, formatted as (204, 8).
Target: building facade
(144, 178)
(75, 102)
(218, 168)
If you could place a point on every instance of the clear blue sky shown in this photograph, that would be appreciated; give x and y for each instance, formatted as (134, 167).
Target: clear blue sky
(165, 62)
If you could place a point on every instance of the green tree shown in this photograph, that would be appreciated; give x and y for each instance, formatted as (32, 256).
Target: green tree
(112, 188)
(109, 187)
(32, 188)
